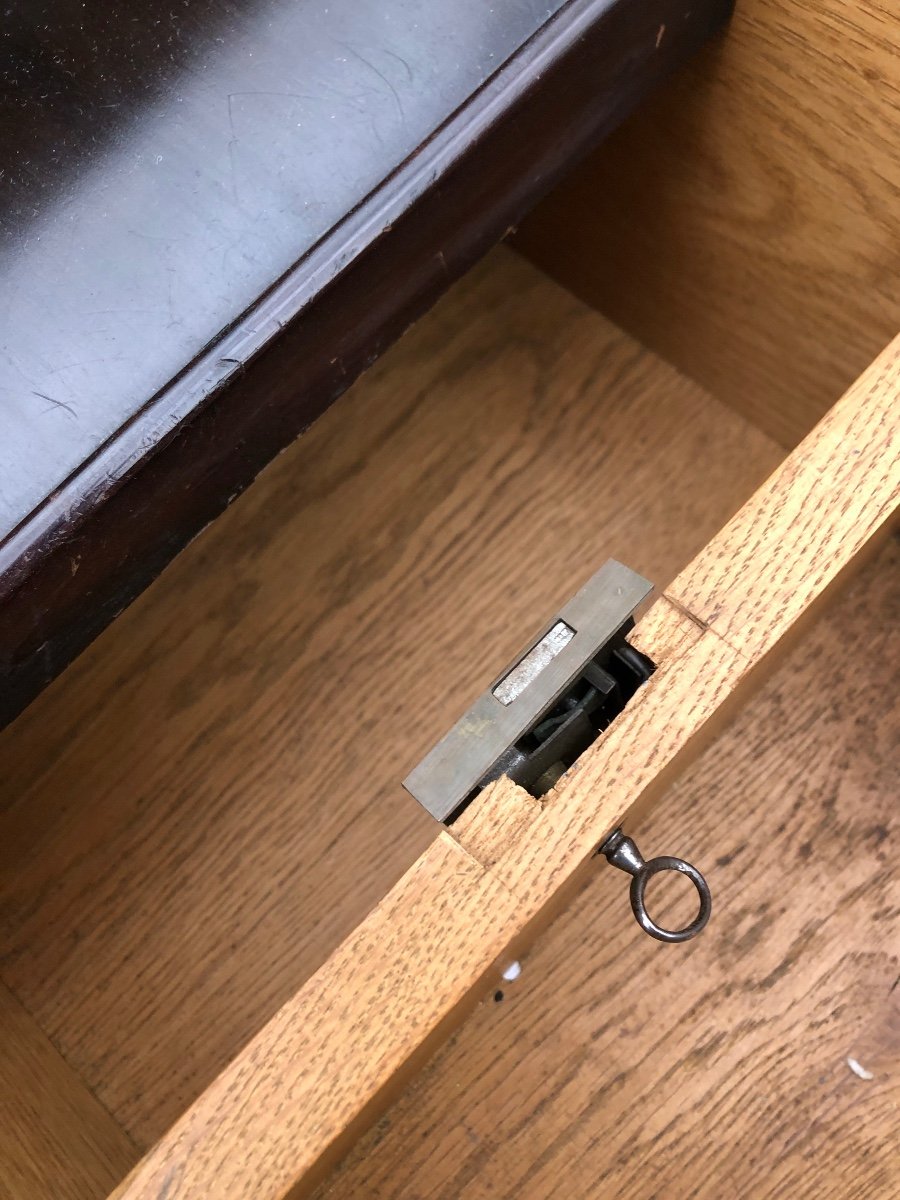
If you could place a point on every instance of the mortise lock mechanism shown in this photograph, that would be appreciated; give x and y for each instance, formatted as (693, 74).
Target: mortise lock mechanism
(544, 711)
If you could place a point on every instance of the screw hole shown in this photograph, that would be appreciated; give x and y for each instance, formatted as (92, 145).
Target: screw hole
(498, 996)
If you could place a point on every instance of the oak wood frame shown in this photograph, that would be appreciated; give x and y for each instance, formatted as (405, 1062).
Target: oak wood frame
(294, 1098)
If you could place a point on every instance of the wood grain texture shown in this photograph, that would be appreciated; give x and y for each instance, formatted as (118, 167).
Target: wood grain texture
(789, 543)
(501, 815)
(296, 1089)
(292, 305)
(619, 1067)
(267, 1125)
(754, 584)
(55, 1138)
(167, 878)
(663, 726)
(743, 224)
(294, 1098)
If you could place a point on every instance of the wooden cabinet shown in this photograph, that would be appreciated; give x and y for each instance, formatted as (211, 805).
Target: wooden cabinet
(228, 939)
(192, 847)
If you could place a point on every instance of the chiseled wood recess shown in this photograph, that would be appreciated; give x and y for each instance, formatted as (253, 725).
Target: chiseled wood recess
(55, 1138)
(718, 1070)
(197, 813)
(744, 223)
(779, 555)
(411, 966)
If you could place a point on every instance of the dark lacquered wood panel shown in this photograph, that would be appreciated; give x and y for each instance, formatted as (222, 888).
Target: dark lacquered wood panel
(80, 557)
(164, 165)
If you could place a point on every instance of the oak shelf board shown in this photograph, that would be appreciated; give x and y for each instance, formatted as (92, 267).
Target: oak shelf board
(828, 501)
(246, 1127)
(175, 761)
(617, 1066)
(55, 1138)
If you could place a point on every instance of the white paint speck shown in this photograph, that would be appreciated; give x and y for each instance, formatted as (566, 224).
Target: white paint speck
(858, 1069)
(513, 971)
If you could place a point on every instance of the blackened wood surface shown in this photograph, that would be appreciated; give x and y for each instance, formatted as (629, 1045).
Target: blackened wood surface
(166, 164)
(164, 227)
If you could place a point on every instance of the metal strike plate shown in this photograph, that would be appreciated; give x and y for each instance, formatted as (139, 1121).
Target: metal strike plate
(544, 709)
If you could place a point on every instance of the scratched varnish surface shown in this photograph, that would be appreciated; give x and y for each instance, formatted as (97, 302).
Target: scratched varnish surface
(207, 803)
(616, 1067)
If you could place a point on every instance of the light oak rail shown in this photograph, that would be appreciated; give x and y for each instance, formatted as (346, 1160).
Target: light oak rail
(291, 1099)
(719, 1069)
(167, 879)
